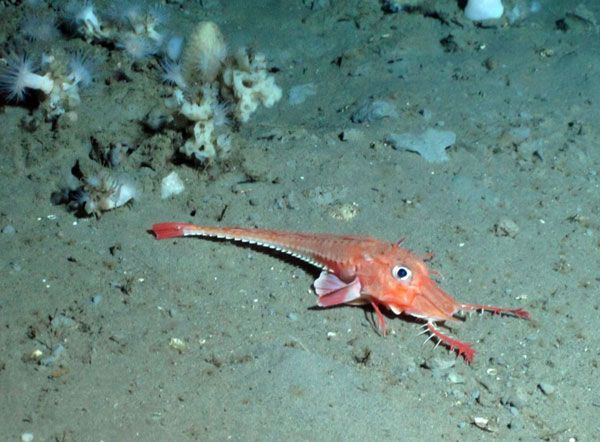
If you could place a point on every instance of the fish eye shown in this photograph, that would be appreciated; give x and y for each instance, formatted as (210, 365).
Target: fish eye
(402, 273)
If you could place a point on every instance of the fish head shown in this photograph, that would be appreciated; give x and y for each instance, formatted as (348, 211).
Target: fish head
(406, 286)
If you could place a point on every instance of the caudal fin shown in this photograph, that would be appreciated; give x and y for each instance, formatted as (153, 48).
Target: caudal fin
(170, 230)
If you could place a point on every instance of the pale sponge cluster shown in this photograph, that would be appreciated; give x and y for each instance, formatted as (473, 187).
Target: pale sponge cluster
(204, 141)
(212, 87)
(247, 79)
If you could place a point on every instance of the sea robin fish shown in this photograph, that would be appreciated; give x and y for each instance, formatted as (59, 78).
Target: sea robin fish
(358, 270)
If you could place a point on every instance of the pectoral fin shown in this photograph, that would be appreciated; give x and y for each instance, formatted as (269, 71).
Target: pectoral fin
(333, 291)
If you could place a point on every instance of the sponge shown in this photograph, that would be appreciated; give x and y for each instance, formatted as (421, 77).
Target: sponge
(205, 52)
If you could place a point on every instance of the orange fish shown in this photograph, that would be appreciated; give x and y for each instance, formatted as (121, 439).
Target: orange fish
(358, 270)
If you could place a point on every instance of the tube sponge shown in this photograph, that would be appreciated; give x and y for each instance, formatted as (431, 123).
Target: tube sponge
(205, 52)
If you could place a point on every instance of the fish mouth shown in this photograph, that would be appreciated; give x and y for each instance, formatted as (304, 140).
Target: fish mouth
(432, 303)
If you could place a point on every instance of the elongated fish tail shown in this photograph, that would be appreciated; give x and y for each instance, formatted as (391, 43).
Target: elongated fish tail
(171, 230)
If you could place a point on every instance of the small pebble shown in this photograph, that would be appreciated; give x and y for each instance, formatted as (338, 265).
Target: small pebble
(516, 424)
(156, 119)
(351, 134)
(546, 388)
(392, 6)
(519, 134)
(36, 355)
(9, 229)
(177, 344)
(62, 322)
(299, 93)
(430, 144)
(532, 149)
(426, 114)
(316, 5)
(171, 185)
(15, 266)
(26, 437)
(439, 363)
(71, 116)
(292, 316)
(481, 422)
(57, 351)
(374, 110)
(506, 227)
(96, 299)
(455, 378)
(499, 360)
(518, 399)
(404, 366)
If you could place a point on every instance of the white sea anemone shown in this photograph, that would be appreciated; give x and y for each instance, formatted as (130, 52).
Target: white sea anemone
(137, 46)
(81, 68)
(127, 13)
(82, 16)
(132, 16)
(158, 14)
(118, 192)
(221, 113)
(39, 27)
(173, 73)
(79, 198)
(19, 74)
(103, 193)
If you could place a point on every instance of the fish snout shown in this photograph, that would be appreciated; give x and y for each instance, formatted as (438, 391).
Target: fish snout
(432, 303)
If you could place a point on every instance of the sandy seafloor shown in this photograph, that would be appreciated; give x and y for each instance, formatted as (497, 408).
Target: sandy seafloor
(258, 361)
